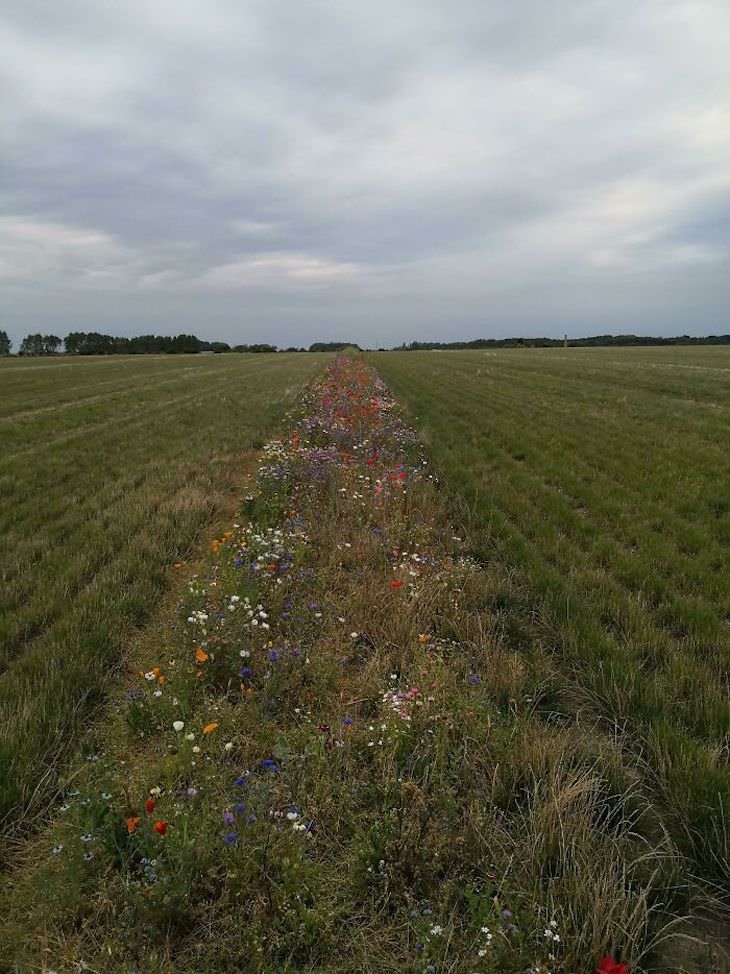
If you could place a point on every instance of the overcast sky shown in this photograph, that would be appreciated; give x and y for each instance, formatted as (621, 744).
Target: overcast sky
(371, 170)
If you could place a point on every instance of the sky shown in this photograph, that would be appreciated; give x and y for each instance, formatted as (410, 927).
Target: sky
(383, 171)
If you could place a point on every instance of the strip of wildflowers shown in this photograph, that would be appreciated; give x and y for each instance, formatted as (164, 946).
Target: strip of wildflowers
(295, 715)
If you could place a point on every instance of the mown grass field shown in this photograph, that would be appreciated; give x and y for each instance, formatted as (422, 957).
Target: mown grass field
(443, 700)
(596, 484)
(109, 469)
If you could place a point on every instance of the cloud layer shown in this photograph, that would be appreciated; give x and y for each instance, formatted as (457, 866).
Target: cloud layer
(261, 169)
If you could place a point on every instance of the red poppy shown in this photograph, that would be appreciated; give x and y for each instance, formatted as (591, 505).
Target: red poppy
(395, 584)
(149, 806)
(160, 827)
(607, 965)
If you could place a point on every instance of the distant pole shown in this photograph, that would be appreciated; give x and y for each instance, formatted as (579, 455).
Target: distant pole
(565, 341)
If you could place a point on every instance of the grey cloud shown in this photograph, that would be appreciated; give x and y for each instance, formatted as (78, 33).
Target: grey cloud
(389, 170)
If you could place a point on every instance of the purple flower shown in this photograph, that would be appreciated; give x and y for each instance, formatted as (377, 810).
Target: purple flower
(347, 721)
(274, 656)
(245, 672)
(229, 818)
(474, 679)
(192, 792)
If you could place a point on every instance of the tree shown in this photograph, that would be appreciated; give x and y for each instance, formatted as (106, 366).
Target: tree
(5, 343)
(51, 344)
(32, 345)
(74, 341)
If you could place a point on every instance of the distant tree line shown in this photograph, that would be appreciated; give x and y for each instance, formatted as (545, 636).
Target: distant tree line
(95, 343)
(595, 340)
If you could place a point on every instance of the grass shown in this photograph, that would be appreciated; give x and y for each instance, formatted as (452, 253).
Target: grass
(355, 738)
(595, 484)
(109, 470)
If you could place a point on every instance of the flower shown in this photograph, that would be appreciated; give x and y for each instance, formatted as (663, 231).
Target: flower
(200, 655)
(178, 725)
(270, 765)
(209, 728)
(149, 806)
(231, 838)
(160, 827)
(607, 965)
(132, 822)
(395, 584)
(229, 818)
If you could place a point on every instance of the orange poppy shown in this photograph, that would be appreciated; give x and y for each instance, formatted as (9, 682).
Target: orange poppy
(160, 827)
(132, 823)
(209, 728)
(200, 655)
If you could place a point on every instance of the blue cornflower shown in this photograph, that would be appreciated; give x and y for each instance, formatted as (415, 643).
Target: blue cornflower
(274, 656)
(241, 781)
(270, 765)
(245, 672)
(474, 679)
(239, 807)
(347, 721)
(231, 838)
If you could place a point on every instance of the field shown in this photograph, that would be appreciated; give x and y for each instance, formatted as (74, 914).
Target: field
(109, 469)
(596, 483)
(444, 692)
